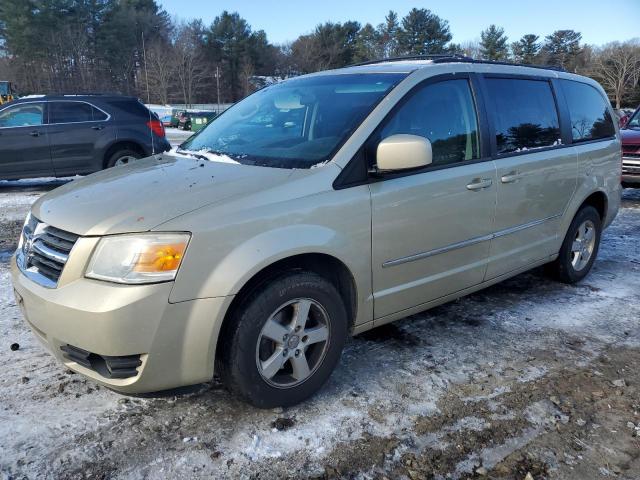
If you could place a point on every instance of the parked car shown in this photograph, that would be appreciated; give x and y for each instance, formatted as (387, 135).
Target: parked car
(59, 136)
(175, 118)
(631, 151)
(623, 115)
(320, 207)
(195, 121)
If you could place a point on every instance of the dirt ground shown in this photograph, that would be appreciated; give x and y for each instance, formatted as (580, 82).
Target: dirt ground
(529, 379)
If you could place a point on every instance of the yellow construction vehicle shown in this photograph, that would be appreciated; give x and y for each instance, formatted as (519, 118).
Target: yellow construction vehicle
(7, 92)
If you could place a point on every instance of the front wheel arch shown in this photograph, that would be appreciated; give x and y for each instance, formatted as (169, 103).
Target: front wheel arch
(327, 266)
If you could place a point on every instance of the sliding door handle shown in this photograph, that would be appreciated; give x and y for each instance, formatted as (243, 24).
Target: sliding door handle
(511, 177)
(479, 184)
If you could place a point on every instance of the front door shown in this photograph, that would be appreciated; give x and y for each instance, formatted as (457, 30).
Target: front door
(431, 229)
(24, 147)
(536, 173)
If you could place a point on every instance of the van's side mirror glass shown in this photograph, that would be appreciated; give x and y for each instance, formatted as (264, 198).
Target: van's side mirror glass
(402, 152)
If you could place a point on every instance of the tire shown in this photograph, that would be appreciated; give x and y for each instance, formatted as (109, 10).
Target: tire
(250, 356)
(571, 267)
(118, 157)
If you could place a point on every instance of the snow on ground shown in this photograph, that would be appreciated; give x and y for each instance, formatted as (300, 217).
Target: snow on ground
(492, 381)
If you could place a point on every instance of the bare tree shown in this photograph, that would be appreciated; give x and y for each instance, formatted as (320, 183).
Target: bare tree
(472, 49)
(162, 70)
(189, 60)
(617, 66)
(247, 71)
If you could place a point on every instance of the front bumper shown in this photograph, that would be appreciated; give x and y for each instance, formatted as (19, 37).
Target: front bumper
(631, 170)
(176, 341)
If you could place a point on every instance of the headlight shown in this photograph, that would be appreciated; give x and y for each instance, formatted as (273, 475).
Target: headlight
(139, 258)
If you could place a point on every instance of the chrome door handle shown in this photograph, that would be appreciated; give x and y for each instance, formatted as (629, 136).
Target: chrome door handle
(479, 184)
(35, 134)
(510, 177)
(98, 127)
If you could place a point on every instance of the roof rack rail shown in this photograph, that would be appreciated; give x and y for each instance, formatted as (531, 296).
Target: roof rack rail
(439, 57)
(454, 57)
(76, 94)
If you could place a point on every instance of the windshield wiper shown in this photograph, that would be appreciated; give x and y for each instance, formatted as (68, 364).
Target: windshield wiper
(193, 154)
(209, 155)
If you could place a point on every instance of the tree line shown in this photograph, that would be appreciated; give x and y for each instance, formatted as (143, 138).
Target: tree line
(134, 47)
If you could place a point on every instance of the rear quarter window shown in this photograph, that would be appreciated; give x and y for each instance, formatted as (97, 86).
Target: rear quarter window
(588, 111)
(123, 109)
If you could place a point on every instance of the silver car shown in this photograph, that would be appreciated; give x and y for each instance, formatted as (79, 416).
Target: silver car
(315, 209)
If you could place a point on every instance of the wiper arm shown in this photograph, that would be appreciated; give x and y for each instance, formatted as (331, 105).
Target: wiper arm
(199, 156)
(208, 155)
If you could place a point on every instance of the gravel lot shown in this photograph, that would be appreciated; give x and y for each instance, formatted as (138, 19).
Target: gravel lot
(527, 377)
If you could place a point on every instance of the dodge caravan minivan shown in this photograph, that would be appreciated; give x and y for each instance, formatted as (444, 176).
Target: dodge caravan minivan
(315, 209)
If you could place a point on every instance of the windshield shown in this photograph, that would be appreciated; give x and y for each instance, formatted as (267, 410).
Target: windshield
(634, 121)
(296, 124)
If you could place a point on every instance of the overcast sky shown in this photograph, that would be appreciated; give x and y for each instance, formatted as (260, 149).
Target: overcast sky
(599, 21)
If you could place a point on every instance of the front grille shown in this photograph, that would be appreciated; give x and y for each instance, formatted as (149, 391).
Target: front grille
(44, 252)
(631, 164)
(631, 151)
(110, 367)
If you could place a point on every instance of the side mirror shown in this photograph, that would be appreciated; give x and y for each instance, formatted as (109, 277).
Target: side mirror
(402, 151)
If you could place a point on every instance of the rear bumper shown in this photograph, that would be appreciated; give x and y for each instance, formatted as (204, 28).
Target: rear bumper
(174, 342)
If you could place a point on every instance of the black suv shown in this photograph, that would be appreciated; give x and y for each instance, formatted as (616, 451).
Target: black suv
(59, 136)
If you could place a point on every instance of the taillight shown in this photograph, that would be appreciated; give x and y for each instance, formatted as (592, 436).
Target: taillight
(156, 127)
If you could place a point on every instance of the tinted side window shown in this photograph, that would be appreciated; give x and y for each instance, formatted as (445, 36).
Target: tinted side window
(69, 112)
(525, 114)
(445, 114)
(28, 114)
(590, 117)
(127, 108)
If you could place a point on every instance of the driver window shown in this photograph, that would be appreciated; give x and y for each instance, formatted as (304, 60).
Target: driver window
(25, 115)
(444, 113)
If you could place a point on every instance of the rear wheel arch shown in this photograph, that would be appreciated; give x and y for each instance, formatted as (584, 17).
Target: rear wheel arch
(599, 201)
(324, 265)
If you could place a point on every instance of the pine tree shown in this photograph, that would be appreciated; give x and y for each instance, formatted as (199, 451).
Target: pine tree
(423, 33)
(493, 43)
(562, 48)
(526, 49)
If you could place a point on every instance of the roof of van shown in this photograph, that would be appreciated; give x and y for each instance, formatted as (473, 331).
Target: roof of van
(411, 63)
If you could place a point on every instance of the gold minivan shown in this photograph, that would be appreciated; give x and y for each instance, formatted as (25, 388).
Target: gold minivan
(315, 209)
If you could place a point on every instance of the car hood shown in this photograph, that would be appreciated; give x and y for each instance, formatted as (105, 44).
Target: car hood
(630, 136)
(140, 196)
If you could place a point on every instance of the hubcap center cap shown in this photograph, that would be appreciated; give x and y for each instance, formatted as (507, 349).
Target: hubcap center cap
(293, 341)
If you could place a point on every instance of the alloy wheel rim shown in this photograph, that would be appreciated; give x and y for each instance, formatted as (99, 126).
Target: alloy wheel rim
(124, 160)
(583, 245)
(293, 343)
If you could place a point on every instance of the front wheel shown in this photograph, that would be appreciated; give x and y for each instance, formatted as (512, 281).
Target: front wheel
(284, 341)
(580, 247)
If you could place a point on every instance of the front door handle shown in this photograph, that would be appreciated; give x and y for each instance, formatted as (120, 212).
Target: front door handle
(479, 184)
(98, 127)
(35, 133)
(510, 177)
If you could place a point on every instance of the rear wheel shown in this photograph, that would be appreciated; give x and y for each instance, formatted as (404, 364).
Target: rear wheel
(123, 157)
(580, 247)
(284, 341)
